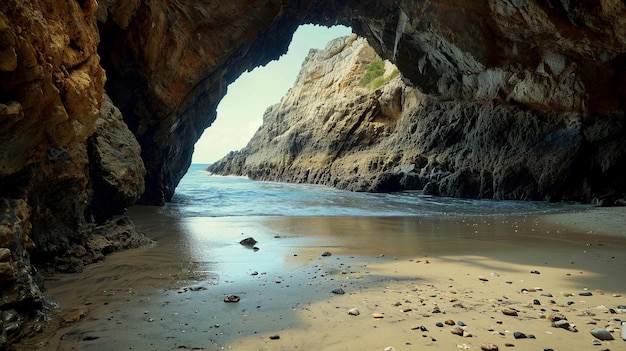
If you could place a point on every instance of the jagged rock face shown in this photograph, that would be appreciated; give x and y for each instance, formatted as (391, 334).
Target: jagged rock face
(68, 162)
(55, 215)
(51, 81)
(329, 129)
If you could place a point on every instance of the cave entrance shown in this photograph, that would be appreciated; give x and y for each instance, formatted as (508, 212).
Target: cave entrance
(240, 113)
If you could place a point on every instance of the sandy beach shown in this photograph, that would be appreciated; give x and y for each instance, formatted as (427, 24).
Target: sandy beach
(417, 283)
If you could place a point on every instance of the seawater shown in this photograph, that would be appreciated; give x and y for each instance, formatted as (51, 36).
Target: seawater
(201, 194)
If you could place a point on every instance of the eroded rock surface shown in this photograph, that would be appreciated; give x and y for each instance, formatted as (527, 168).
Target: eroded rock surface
(329, 129)
(68, 162)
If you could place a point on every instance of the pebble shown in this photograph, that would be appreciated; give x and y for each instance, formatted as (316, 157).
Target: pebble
(231, 298)
(378, 315)
(354, 312)
(489, 347)
(275, 337)
(389, 348)
(326, 254)
(461, 323)
(587, 313)
(457, 331)
(535, 272)
(536, 302)
(74, 316)
(547, 295)
(509, 312)
(585, 293)
(553, 317)
(338, 291)
(439, 324)
(248, 242)
(519, 335)
(563, 323)
(602, 334)
(449, 322)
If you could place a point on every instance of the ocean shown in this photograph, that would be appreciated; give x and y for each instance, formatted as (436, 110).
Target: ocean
(201, 194)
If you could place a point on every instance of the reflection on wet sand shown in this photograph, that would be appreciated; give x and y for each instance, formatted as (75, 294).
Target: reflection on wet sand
(171, 296)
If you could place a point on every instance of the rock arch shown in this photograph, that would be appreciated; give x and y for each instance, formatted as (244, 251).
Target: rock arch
(168, 64)
(68, 163)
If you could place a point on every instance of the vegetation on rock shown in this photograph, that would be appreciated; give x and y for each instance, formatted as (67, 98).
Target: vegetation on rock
(374, 76)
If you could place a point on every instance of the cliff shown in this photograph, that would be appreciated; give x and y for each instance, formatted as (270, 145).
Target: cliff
(332, 129)
(499, 78)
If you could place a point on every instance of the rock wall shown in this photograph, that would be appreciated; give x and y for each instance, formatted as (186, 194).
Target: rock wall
(330, 129)
(69, 164)
(63, 212)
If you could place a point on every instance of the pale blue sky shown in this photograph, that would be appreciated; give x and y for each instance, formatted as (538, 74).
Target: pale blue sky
(240, 112)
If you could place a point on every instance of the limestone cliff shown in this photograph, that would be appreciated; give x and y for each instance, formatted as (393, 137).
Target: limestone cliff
(330, 129)
(530, 75)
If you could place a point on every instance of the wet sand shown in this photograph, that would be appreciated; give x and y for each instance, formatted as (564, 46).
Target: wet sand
(413, 272)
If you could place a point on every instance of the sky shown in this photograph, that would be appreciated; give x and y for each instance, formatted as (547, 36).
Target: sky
(240, 113)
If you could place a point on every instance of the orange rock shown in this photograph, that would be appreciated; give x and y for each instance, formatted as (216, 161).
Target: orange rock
(74, 316)
(509, 312)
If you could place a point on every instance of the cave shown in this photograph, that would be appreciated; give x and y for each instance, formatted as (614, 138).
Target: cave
(478, 52)
(102, 103)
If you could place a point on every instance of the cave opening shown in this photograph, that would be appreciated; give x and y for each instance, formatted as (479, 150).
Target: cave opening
(240, 112)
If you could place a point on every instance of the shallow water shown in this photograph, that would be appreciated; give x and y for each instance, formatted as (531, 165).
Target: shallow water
(171, 296)
(200, 194)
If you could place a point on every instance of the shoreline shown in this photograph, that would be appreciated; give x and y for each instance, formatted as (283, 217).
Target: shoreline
(171, 296)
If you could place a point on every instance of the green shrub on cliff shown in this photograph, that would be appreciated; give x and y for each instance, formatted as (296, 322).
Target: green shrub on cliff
(374, 76)
(380, 81)
(374, 70)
